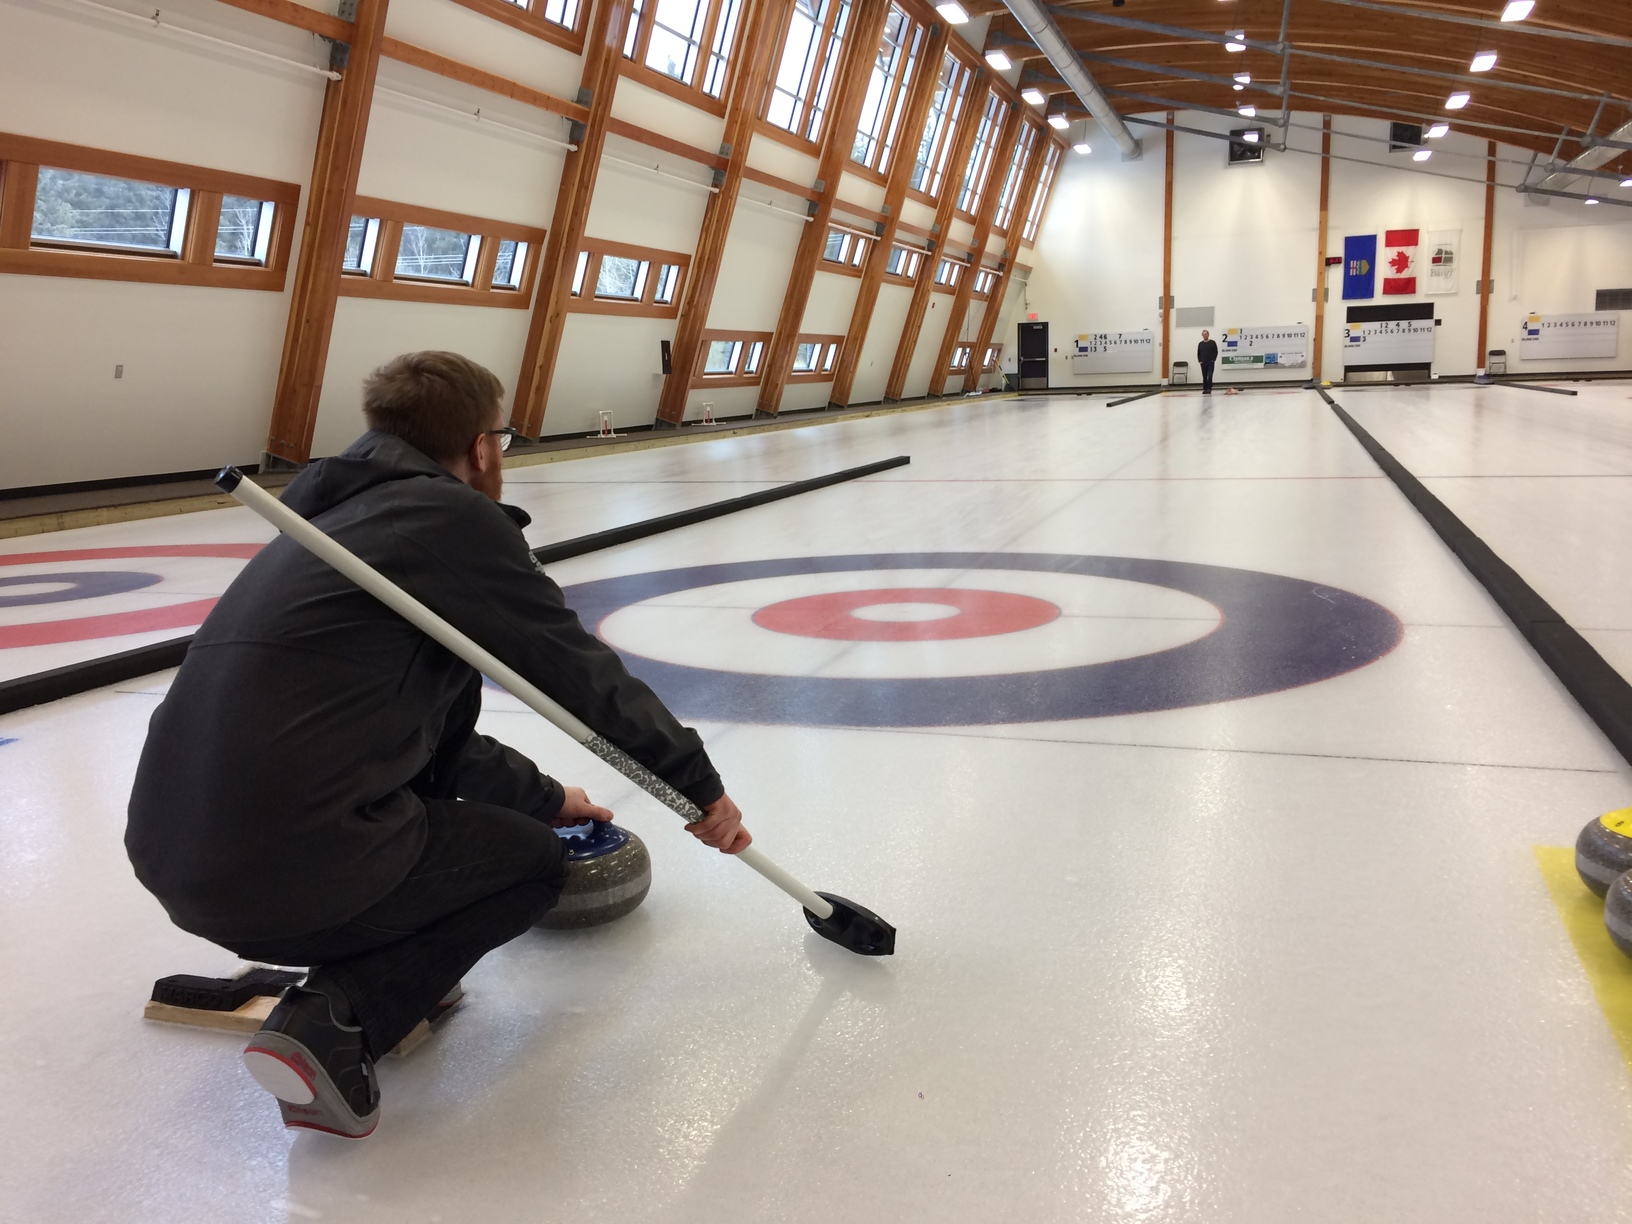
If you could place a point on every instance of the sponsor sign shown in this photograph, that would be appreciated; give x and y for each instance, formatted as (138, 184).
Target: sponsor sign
(1545, 337)
(1130, 352)
(1385, 342)
(1245, 348)
(1443, 250)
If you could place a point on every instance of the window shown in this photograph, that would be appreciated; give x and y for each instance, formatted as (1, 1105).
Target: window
(415, 254)
(1007, 197)
(617, 278)
(814, 358)
(994, 353)
(887, 91)
(684, 41)
(944, 108)
(67, 210)
(809, 61)
(960, 357)
(903, 263)
(980, 157)
(557, 21)
(845, 252)
(985, 279)
(1039, 197)
(730, 359)
(947, 273)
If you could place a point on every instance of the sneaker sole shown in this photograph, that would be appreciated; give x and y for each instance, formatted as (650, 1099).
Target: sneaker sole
(306, 1096)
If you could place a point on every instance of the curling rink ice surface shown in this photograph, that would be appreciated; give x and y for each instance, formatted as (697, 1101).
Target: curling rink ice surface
(1199, 778)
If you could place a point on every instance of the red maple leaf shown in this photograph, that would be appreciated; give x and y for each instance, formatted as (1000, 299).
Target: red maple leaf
(1400, 262)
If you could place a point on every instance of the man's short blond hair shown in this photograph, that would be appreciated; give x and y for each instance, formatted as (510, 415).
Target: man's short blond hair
(436, 402)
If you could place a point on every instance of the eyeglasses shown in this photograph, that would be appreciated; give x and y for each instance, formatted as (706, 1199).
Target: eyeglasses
(504, 436)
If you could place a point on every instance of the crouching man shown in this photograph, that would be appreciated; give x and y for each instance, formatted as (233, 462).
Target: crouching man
(313, 790)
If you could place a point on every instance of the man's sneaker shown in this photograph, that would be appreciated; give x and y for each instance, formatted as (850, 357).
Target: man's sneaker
(318, 1068)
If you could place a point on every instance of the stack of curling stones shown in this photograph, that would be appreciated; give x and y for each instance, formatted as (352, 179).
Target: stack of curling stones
(608, 875)
(1603, 860)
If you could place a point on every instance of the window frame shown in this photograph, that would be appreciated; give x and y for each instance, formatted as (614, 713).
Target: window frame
(380, 279)
(920, 259)
(990, 275)
(1014, 178)
(736, 378)
(828, 361)
(941, 150)
(994, 113)
(529, 21)
(826, 51)
(585, 301)
(21, 159)
(957, 361)
(946, 257)
(857, 249)
(994, 356)
(634, 66)
(1033, 222)
(892, 108)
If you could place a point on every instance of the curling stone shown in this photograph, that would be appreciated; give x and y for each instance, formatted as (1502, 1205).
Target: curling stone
(1618, 912)
(608, 874)
(1604, 850)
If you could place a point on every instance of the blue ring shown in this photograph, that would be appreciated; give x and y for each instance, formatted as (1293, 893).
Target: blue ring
(83, 584)
(1277, 633)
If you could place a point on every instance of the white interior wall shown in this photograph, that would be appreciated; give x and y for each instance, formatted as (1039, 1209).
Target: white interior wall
(879, 347)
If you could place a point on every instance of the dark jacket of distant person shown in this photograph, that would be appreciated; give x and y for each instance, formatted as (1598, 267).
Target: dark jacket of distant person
(273, 796)
(1207, 352)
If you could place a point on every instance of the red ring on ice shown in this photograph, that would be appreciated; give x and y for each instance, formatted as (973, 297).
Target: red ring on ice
(116, 624)
(976, 614)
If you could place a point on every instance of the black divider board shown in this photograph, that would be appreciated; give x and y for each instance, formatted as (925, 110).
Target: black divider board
(61, 682)
(1392, 310)
(1597, 687)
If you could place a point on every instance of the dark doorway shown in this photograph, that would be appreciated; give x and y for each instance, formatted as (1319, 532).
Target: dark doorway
(1033, 356)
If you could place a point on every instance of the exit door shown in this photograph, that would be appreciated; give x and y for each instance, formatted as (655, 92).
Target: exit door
(1033, 356)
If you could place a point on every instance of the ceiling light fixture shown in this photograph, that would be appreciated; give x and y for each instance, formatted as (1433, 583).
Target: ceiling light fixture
(1246, 111)
(1059, 121)
(953, 12)
(1590, 200)
(1422, 155)
(1243, 78)
(1626, 182)
(1238, 40)
(1457, 101)
(1517, 10)
(1034, 96)
(998, 60)
(1483, 62)
(1250, 137)
(1083, 147)
(1437, 130)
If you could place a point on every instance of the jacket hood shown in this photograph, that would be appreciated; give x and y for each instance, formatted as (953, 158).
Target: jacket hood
(374, 459)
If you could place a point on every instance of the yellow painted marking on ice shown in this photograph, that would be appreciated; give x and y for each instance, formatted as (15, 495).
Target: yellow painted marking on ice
(1607, 969)
(1618, 821)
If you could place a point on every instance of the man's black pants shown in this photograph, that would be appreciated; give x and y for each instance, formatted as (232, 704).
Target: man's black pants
(487, 874)
(1206, 377)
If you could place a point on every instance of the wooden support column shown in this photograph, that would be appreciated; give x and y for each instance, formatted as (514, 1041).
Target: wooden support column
(1033, 177)
(741, 112)
(999, 168)
(859, 53)
(1167, 262)
(1320, 245)
(1484, 273)
(602, 54)
(974, 106)
(346, 104)
(914, 116)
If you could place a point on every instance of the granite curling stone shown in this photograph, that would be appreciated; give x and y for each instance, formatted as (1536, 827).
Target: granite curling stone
(1604, 850)
(608, 875)
(1618, 913)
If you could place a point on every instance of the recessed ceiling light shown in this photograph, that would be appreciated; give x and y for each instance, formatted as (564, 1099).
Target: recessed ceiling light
(1034, 96)
(1082, 148)
(1456, 101)
(1243, 78)
(953, 12)
(1591, 201)
(1238, 40)
(1422, 155)
(1238, 88)
(1250, 137)
(1626, 182)
(1437, 130)
(998, 60)
(1059, 121)
(1483, 62)
(1248, 111)
(1517, 10)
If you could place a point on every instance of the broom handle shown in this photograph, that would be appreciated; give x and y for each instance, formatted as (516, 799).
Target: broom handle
(319, 543)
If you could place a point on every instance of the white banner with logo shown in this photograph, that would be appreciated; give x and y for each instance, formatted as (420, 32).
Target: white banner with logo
(1441, 253)
(1272, 348)
(1545, 337)
(1130, 352)
(1388, 342)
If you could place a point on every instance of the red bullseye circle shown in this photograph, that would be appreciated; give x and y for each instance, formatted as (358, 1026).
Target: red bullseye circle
(974, 614)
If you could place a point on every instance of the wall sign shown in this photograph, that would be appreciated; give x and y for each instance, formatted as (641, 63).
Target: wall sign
(1265, 347)
(1129, 352)
(1544, 337)
(1389, 337)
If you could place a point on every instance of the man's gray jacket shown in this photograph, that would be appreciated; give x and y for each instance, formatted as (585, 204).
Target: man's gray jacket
(272, 798)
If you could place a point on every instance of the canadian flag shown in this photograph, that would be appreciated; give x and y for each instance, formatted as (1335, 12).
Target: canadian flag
(1400, 264)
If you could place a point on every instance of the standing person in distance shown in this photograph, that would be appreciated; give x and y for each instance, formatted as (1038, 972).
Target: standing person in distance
(1206, 356)
(313, 790)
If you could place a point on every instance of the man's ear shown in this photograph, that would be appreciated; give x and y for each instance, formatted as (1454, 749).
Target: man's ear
(476, 456)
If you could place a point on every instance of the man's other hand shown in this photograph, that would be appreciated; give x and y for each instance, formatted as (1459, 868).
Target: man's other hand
(576, 808)
(721, 827)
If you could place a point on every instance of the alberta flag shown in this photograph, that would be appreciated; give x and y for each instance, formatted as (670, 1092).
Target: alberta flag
(1400, 261)
(1359, 267)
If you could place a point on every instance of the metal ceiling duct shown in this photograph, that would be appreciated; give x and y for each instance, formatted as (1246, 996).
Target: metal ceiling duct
(1052, 43)
(1590, 160)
